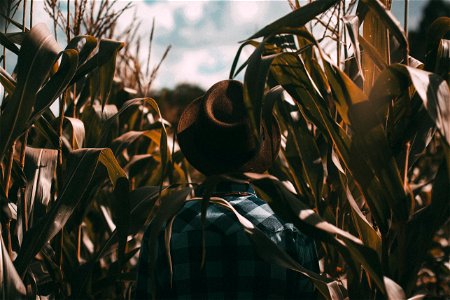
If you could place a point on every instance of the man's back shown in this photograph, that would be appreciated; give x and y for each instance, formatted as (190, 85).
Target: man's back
(232, 269)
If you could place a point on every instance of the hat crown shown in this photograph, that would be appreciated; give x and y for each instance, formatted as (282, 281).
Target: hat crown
(224, 104)
(216, 136)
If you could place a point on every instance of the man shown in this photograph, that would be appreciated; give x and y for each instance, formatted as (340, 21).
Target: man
(215, 135)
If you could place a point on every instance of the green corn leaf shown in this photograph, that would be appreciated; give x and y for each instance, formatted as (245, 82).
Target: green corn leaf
(170, 202)
(56, 85)
(438, 29)
(233, 71)
(289, 207)
(442, 66)
(289, 71)
(122, 142)
(345, 91)
(390, 22)
(373, 53)
(7, 81)
(17, 37)
(423, 225)
(366, 232)
(89, 44)
(352, 25)
(254, 84)
(6, 41)
(431, 88)
(163, 143)
(36, 58)
(79, 176)
(305, 153)
(296, 18)
(76, 129)
(40, 169)
(107, 51)
(100, 127)
(12, 286)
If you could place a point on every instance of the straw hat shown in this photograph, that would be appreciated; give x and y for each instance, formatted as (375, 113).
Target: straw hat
(215, 134)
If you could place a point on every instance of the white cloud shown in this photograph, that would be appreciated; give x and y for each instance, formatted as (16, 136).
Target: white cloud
(246, 12)
(162, 12)
(203, 67)
(193, 12)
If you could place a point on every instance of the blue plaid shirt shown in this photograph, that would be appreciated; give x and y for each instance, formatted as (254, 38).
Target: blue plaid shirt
(232, 268)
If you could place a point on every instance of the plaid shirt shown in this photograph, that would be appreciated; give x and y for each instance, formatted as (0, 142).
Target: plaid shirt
(232, 268)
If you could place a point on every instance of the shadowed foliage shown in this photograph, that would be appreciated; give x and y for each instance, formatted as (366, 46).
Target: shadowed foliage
(364, 165)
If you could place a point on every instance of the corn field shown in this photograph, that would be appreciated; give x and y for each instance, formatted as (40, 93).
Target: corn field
(364, 165)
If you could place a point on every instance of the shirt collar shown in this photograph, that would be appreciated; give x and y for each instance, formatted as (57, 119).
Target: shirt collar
(225, 188)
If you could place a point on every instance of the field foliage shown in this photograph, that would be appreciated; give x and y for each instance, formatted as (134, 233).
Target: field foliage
(364, 166)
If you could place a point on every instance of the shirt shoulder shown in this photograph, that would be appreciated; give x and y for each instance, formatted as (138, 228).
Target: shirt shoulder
(257, 211)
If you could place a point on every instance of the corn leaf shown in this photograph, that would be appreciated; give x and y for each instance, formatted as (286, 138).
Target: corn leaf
(48, 133)
(289, 71)
(423, 225)
(438, 29)
(352, 25)
(79, 176)
(373, 53)
(431, 88)
(303, 154)
(442, 66)
(171, 202)
(108, 48)
(113, 120)
(345, 91)
(40, 169)
(122, 142)
(105, 56)
(17, 37)
(101, 129)
(7, 81)
(391, 23)
(36, 58)
(6, 41)
(254, 83)
(76, 134)
(366, 232)
(369, 144)
(142, 201)
(288, 206)
(89, 44)
(163, 144)
(12, 286)
(233, 71)
(296, 18)
(56, 85)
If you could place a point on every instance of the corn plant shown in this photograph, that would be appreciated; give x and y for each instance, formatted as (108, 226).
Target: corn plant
(366, 139)
(71, 182)
(364, 164)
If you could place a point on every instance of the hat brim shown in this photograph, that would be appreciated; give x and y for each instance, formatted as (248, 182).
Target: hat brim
(189, 138)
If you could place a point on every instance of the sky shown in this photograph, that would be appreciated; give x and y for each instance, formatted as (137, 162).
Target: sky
(205, 35)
